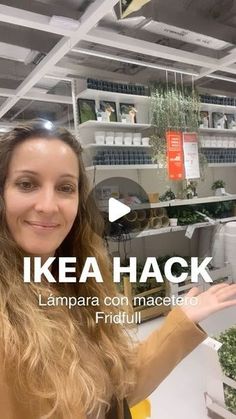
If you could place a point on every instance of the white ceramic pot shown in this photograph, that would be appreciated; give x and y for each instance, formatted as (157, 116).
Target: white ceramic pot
(136, 141)
(145, 141)
(128, 139)
(100, 137)
(220, 192)
(173, 222)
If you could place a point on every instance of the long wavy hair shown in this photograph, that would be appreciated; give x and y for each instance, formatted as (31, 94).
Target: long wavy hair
(60, 358)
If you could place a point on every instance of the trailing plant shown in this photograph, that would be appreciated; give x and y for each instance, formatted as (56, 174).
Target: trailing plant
(174, 107)
(227, 357)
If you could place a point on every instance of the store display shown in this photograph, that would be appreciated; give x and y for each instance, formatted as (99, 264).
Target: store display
(109, 86)
(217, 141)
(230, 121)
(120, 157)
(218, 120)
(108, 110)
(219, 187)
(218, 100)
(128, 113)
(86, 108)
(216, 155)
(204, 119)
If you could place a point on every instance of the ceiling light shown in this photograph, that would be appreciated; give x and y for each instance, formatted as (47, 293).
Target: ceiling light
(185, 35)
(223, 78)
(48, 125)
(13, 52)
(64, 22)
(133, 61)
(30, 57)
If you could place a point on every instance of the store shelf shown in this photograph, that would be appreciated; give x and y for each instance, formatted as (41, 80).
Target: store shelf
(120, 97)
(217, 131)
(165, 230)
(222, 164)
(122, 167)
(216, 107)
(113, 125)
(204, 200)
(92, 145)
(180, 202)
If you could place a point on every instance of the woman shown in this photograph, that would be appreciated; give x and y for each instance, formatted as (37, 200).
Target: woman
(55, 362)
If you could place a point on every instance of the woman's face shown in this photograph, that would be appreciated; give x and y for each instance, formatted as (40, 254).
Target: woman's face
(41, 194)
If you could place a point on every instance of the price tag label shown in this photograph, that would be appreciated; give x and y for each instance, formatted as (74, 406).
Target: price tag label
(189, 232)
(212, 343)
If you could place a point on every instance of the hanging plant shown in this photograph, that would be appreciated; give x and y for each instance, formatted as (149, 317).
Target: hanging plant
(173, 107)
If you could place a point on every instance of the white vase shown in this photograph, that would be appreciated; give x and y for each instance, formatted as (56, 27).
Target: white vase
(220, 192)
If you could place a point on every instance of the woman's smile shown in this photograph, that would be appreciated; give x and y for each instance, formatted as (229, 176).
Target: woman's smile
(39, 225)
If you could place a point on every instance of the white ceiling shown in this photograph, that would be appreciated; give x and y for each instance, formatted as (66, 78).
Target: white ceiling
(197, 38)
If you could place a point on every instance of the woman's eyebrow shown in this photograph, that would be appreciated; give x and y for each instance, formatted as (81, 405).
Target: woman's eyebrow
(35, 173)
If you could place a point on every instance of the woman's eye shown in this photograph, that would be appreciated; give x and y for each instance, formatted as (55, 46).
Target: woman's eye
(25, 185)
(67, 188)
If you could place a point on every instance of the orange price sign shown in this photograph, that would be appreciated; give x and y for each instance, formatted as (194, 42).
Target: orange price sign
(175, 155)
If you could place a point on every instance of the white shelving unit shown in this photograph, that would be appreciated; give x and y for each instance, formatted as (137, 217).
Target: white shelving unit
(213, 107)
(115, 96)
(222, 164)
(167, 230)
(92, 145)
(217, 131)
(112, 125)
(122, 167)
(182, 202)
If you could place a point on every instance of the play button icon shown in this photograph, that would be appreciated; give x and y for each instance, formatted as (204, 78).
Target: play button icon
(116, 209)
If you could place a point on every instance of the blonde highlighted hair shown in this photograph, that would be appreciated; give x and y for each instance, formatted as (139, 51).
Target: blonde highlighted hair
(60, 358)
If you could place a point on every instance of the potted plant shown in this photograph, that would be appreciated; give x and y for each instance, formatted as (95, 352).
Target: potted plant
(219, 187)
(227, 357)
(168, 195)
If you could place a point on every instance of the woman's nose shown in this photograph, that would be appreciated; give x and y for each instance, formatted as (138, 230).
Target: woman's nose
(46, 201)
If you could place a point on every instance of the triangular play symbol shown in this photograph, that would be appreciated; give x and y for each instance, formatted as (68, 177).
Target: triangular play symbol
(117, 209)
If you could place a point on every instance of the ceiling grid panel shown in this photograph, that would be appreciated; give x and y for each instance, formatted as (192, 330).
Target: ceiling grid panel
(95, 12)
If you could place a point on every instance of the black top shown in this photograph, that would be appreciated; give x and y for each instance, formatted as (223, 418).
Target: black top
(113, 412)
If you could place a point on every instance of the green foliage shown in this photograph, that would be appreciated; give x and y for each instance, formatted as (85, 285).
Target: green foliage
(172, 108)
(227, 356)
(218, 184)
(168, 195)
(175, 108)
(187, 214)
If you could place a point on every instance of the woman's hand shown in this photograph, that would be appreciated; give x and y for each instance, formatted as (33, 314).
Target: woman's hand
(216, 298)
